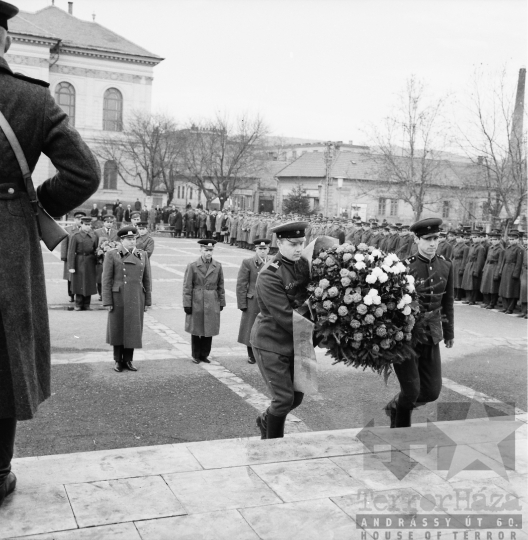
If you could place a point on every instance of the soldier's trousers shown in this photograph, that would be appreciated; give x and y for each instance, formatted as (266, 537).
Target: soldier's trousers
(277, 371)
(7, 445)
(201, 347)
(82, 302)
(420, 381)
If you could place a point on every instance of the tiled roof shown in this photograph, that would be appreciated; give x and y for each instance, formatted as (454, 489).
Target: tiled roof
(269, 171)
(312, 165)
(52, 22)
(358, 166)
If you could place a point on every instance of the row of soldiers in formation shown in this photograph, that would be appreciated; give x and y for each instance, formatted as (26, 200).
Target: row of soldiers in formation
(83, 254)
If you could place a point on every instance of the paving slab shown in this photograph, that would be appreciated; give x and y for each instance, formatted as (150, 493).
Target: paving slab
(120, 531)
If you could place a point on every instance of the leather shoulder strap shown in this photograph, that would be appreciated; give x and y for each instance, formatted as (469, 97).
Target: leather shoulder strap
(19, 154)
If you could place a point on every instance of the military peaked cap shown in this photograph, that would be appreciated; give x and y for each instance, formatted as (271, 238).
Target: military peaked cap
(427, 226)
(207, 242)
(86, 220)
(261, 242)
(7, 11)
(79, 214)
(127, 232)
(293, 229)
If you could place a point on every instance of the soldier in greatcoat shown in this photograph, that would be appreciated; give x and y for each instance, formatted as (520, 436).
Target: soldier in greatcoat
(190, 222)
(489, 286)
(144, 241)
(524, 291)
(234, 229)
(127, 292)
(203, 300)
(271, 337)
(460, 254)
(40, 125)
(394, 238)
(444, 247)
(405, 243)
(420, 378)
(473, 270)
(70, 229)
(510, 273)
(245, 291)
(81, 264)
(107, 233)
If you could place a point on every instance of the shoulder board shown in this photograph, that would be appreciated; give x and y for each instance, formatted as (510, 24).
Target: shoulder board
(410, 260)
(31, 80)
(274, 266)
(442, 257)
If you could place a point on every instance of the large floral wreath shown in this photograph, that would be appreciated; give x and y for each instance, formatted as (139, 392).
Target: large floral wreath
(366, 305)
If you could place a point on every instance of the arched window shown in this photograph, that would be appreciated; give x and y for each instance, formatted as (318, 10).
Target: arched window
(65, 97)
(113, 110)
(110, 175)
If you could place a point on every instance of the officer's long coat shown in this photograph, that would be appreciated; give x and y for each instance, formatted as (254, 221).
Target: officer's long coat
(524, 292)
(510, 285)
(127, 286)
(103, 235)
(474, 266)
(41, 126)
(82, 259)
(246, 296)
(490, 275)
(203, 291)
(71, 229)
(460, 254)
(146, 243)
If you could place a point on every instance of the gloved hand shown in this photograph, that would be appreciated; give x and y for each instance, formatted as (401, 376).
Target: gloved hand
(243, 309)
(188, 310)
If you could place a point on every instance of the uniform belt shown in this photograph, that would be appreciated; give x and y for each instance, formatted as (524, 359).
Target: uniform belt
(205, 288)
(11, 191)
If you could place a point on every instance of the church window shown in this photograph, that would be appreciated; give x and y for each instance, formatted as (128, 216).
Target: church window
(65, 97)
(113, 110)
(110, 175)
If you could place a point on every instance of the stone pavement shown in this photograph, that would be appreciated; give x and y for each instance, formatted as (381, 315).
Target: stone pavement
(322, 485)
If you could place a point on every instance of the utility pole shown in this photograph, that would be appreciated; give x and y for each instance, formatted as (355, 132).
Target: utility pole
(330, 154)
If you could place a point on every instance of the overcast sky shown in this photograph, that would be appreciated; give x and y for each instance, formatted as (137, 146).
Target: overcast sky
(318, 69)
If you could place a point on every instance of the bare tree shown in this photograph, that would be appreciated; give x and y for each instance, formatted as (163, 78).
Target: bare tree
(221, 157)
(493, 138)
(407, 150)
(146, 152)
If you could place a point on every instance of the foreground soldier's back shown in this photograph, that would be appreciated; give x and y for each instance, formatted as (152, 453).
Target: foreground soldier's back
(41, 127)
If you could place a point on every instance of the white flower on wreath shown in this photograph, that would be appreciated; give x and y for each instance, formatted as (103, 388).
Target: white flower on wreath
(344, 272)
(345, 281)
(342, 311)
(372, 297)
(410, 287)
(376, 253)
(398, 268)
(324, 284)
(359, 257)
(340, 249)
(360, 265)
(390, 258)
(409, 278)
(371, 278)
(333, 292)
(318, 292)
(406, 299)
(347, 257)
(407, 310)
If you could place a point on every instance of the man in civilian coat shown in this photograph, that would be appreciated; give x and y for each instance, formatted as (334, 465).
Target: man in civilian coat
(245, 291)
(144, 241)
(420, 378)
(40, 126)
(107, 233)
(203, 300)
(127, 292)
(81, 264)
(70, 229)
(510, 273)
(489, 286)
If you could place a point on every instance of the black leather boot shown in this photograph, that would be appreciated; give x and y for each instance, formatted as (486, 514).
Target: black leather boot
(118, 358)
(7, 447)
(390, 411)
(275, 427)
(402, 417)
(262, 423)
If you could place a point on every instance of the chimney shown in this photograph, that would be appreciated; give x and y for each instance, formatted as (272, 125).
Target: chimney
(70, 8)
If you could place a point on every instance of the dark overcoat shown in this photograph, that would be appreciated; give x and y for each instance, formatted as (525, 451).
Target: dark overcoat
(524, 292)
(82, 258)
(510, 273)
(70, 229)
(146, 243)
(460, 255)
(474, 265)
(446, 250)
(41, 126)
(404, 246)
(103, 235)
(190, 221)
(203, 291)
(246, 296)
(127, 286)
(490, 275)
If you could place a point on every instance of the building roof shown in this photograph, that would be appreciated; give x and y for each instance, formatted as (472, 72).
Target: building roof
(361, 166)
(269, 173)
(346, 165)
(55, 23)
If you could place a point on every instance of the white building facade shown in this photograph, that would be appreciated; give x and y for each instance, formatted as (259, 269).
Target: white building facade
(95, 75)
